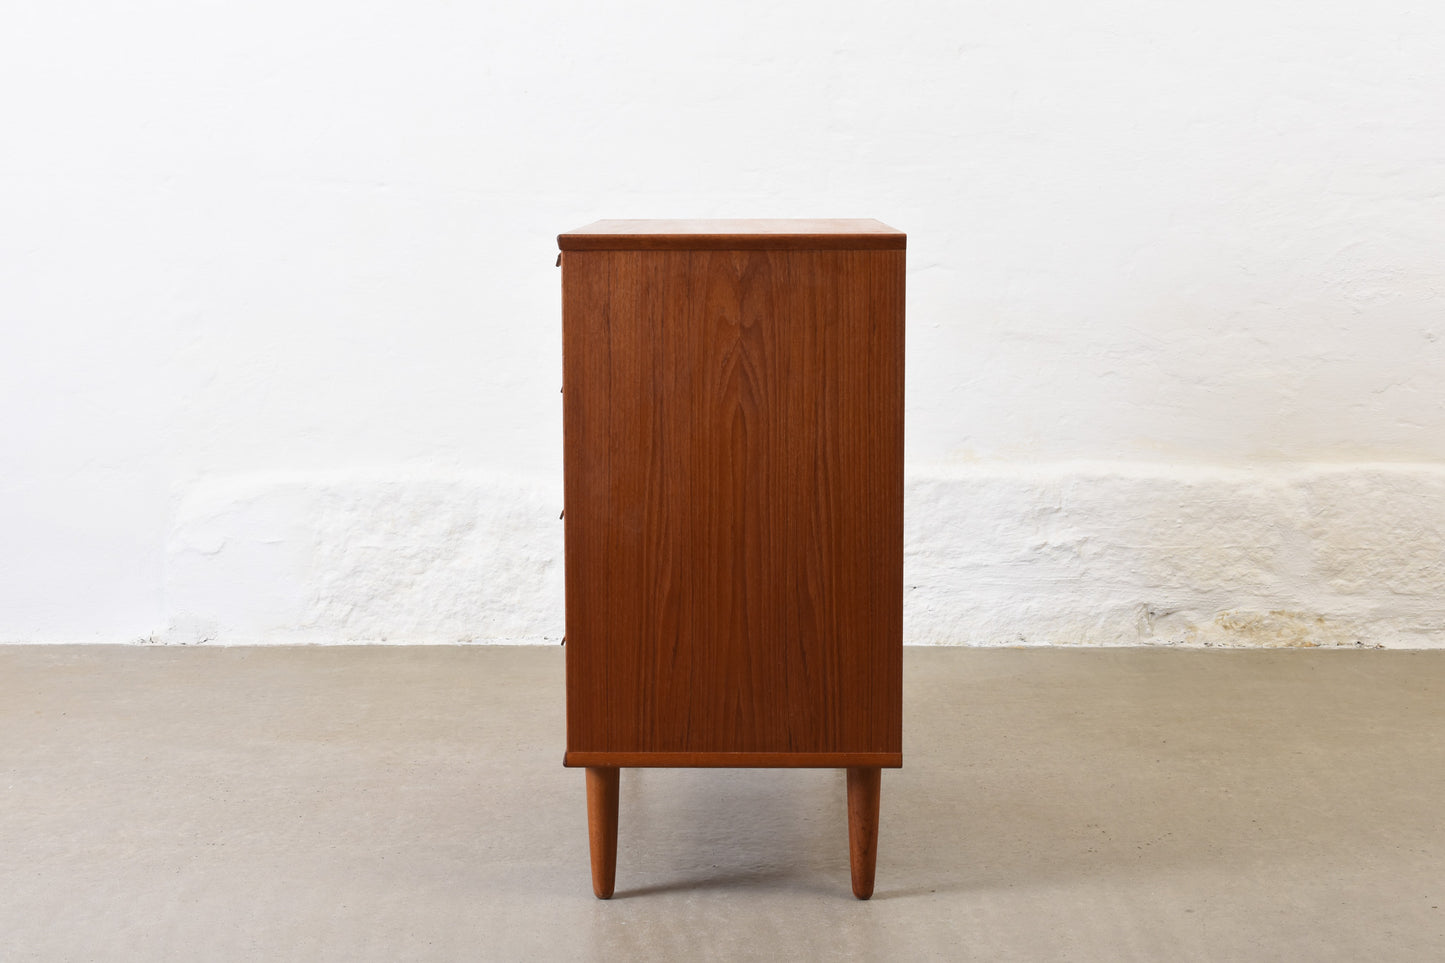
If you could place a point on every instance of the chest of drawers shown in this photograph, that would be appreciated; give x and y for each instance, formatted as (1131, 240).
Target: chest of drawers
(733, 452)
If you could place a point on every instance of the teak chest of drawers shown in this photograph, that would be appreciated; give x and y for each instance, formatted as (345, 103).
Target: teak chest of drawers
(733, 433)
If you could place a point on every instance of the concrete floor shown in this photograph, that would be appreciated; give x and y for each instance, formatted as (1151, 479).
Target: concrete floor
(381, 803)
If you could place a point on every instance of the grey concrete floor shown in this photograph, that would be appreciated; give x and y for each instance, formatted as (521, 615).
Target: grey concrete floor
(380, 803)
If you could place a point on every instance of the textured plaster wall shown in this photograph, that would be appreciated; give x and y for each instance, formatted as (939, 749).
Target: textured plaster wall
(279, 346)
(1065, 553)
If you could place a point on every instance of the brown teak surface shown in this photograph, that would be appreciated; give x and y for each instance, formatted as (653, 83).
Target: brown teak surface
(735, 760)
(602, 789)
(734, 505)
(734, 235)
(864, 786)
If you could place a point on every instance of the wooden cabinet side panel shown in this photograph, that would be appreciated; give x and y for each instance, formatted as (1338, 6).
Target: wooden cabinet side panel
(585, 390)
(733, 433)
(845, 491)
(883, 315)
(626, 389)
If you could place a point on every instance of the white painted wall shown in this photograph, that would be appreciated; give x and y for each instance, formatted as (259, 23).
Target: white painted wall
(279, 347)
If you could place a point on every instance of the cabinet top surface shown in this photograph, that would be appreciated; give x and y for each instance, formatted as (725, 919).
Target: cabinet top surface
(798, 234)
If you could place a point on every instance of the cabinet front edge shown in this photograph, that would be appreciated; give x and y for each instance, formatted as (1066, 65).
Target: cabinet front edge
(743, 760)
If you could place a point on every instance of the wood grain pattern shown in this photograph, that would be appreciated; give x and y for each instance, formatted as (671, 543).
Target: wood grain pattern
(733, 454)
(734, 235)
(736, 760)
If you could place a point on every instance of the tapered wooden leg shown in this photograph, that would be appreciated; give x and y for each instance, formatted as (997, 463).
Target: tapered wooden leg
(863, 785)
(602, 827)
